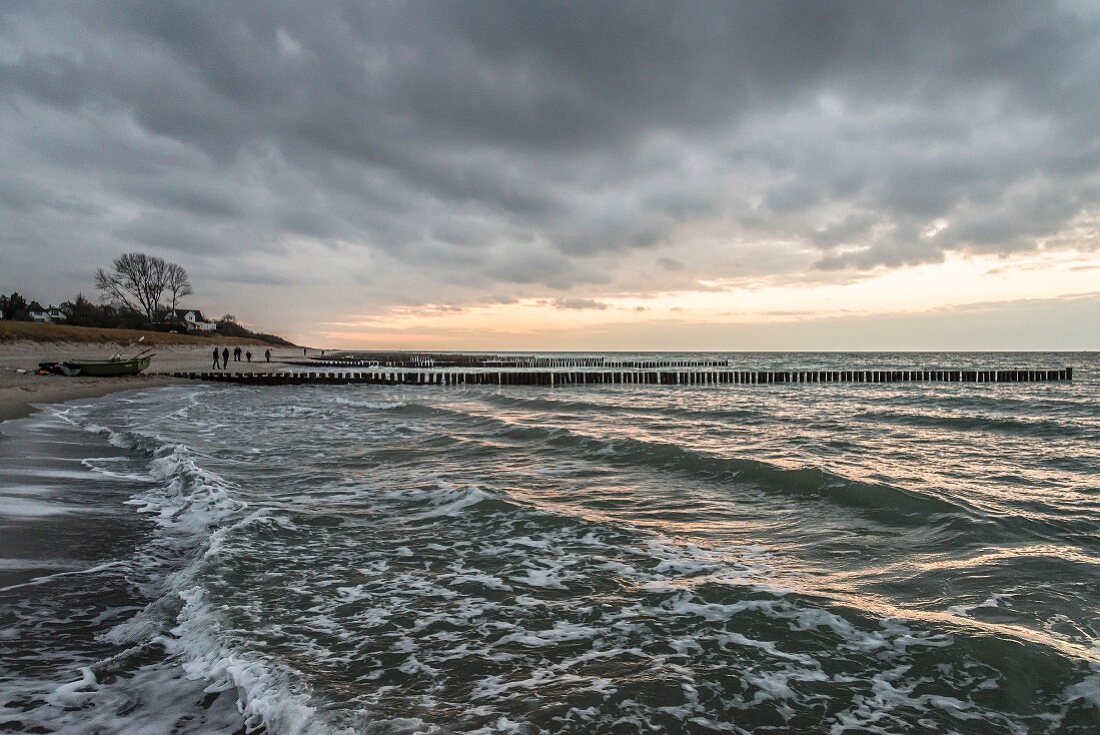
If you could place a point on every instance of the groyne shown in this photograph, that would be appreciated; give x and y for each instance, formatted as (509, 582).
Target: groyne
(694, 375)
(544, 362)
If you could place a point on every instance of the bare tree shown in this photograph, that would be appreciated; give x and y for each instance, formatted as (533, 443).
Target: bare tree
(178, 284)
(136, 282)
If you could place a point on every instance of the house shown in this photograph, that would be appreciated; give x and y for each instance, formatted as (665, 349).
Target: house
(50, 315)
(191, 319)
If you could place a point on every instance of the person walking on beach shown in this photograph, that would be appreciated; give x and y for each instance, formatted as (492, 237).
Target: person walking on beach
(225, 357)
(267, 355)
(236, 354)
(248, 355)
(216, 358)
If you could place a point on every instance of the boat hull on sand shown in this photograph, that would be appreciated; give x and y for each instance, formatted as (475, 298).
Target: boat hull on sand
(97, 368)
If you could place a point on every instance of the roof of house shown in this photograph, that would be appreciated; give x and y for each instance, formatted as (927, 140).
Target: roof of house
(182, 313)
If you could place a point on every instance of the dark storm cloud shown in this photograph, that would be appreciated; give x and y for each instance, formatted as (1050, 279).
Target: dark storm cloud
(170, 232)
(542, 144)
(18, 194)
(178, 197)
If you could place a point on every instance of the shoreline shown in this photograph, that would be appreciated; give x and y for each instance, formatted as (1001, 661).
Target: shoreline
(71, 537)
(22, 389)
(20, 401)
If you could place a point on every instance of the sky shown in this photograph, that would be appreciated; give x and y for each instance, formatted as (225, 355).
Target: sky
(569, 175)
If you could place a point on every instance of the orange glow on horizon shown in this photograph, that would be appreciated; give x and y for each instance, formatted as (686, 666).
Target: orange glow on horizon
(530, 323)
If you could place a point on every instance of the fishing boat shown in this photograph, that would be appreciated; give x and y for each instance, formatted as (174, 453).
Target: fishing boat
(97, 368)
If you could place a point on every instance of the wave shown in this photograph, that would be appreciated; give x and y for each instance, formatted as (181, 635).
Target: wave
(883, 502)
(172, 669)
(891, 503)
(558, 406)
(897, 504)
(416, 572)
(1032, 427)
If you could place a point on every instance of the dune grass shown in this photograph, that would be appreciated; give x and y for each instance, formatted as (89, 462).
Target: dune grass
(35, 332)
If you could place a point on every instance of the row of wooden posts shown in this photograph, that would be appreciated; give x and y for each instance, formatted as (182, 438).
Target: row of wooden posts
(626, 377)
(402, 360)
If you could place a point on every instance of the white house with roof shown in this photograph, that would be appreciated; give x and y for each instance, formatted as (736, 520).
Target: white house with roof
(191, 319)
(49, 315)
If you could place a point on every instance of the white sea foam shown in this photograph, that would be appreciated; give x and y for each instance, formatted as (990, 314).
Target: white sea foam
(53, 577)
(192, 509)
(27, 508)
(993, 601)
(452, 501)
(395, 575)
(265, 698)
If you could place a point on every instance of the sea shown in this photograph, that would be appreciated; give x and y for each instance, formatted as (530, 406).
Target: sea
(824, 558)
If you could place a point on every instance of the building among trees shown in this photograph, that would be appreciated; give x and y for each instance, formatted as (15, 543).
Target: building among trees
(191, 320)
(49, 315)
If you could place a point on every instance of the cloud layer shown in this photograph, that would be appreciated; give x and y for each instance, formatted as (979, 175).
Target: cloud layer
(408, 153)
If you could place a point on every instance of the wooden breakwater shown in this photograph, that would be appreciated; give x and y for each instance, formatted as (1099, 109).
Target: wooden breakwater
(541, 362)
(692, 376)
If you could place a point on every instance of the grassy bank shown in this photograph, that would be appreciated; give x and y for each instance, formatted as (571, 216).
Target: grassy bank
(34, 332)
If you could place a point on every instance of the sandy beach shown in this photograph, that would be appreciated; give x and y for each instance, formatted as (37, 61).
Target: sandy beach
(21, 388)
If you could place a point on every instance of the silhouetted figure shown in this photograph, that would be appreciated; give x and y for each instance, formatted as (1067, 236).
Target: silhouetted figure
(216, 358)
(267, 355)
(248, 355)
(236, 354)
(225, 357)
(305, 351)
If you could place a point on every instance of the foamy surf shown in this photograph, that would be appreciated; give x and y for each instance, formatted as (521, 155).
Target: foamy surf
(487, 560)
(167, 673)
